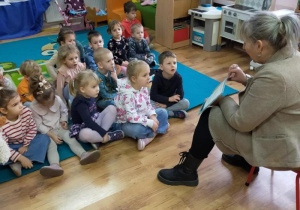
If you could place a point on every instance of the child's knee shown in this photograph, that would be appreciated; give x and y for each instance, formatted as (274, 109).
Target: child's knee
(162, 112)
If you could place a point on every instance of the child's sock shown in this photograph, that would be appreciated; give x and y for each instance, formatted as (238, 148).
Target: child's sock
(142, 143)
(16, 168)
(89, 157)
(52, 171)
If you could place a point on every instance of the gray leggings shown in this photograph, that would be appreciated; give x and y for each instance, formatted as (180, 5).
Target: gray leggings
(74, 145)
(106, 118)
(180, 105)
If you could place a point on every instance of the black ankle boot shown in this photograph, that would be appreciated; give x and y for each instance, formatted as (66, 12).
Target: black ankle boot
(237, 160)
(185, 173)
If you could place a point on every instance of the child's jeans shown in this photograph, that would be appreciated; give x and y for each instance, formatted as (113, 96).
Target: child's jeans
(139, 131)
(37, 148)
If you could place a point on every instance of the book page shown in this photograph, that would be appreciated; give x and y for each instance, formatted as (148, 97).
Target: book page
(214, 96)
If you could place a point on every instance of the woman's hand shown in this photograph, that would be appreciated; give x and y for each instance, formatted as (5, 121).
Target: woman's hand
(25, 162)
(235, 73)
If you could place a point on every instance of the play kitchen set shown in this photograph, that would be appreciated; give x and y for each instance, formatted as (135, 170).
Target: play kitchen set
(204, 26)
(206, 20)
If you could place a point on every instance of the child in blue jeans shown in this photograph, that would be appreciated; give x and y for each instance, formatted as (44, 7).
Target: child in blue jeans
(135, 115)
(20, 133)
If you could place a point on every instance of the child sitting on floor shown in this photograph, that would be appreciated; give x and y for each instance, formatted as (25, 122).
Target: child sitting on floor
(65, 36)
(5, 82)
(118, 45)
(27, 69)
(68, 57)
(135, 116)
(138, 47)
(167, 90)
(88, 124)
(130, 12)
(20, 133)
(95, 41)
(51, 117)
(107, 78)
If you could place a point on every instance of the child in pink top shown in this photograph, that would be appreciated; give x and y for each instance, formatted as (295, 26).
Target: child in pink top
(68, 57)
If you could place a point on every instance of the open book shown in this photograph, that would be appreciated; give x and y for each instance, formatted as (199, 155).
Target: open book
(214, 96)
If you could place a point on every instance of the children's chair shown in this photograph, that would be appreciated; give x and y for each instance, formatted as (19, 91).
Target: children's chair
(115, 10)
(296, 170)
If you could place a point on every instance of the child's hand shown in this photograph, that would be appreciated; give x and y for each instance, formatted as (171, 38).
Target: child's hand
(159, 105)
(57, 139)
(154, 126)
(114, 75)
(23, 149)
(25, 162)
(148, 40)
(125, 63)
(174, 98)
(153, 117)
(64, 125)
(84, 65)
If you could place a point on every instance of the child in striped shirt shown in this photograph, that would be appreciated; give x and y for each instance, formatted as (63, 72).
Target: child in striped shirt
(20, 133)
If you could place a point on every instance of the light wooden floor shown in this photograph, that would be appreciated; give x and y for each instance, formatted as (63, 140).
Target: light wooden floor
(125, 178)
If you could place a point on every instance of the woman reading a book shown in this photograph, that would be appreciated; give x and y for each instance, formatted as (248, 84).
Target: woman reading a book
(263, 129)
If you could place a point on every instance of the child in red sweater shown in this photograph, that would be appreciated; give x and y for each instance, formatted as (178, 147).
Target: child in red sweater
(130, 12)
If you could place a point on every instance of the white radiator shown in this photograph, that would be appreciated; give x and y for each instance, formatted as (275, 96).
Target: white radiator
(52, 14)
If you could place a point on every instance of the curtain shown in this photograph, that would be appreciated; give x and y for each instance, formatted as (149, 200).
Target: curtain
(22, 18)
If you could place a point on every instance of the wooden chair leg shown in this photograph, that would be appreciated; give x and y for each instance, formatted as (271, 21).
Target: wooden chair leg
(297, 192)
(250, 176)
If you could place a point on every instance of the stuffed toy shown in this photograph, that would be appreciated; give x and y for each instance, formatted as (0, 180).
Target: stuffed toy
(4, 149)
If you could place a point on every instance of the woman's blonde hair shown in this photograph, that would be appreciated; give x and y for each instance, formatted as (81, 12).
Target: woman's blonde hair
(65, 50)
(82, 79)
(30, 67)
(277, 31)
(134, 68)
